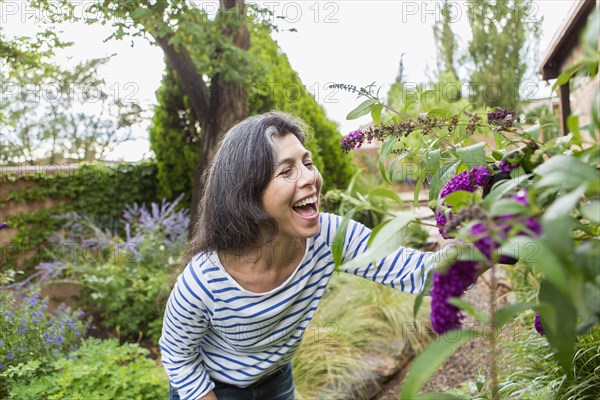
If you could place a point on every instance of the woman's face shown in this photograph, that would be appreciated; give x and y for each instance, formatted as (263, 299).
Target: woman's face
(292, 196)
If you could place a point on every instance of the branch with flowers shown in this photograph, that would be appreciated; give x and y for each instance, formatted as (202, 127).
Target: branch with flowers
(509, 199)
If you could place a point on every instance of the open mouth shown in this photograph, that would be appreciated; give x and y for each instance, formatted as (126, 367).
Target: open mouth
(307, 207)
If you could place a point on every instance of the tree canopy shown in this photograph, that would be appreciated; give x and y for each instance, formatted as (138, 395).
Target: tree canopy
(175, 134)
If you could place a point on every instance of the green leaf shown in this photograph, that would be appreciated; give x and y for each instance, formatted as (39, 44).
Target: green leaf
(565, 172)
(533, 132)
(433, 161)
(437, 396)
(419, 300)
(591, 298)
(596, 110)
(469, 309)
(473, 155)
(418, 187)
(556, 234)
(536, 254)
(573, 125)
(564, 204)
(501, 188)
(459, 199)
(443, 175)
(386, 149)
(392, 167)
(559, 330)
(337, 248)
(382, 242)
(387, 193)
(376, 113)
(497, 155)
(566, 75)
(591, 210)
(427, 363)
(363, 109)
(508, 207)
(509, 312)
(440, 112)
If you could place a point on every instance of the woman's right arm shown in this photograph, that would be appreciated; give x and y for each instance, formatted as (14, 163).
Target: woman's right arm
(186, 320)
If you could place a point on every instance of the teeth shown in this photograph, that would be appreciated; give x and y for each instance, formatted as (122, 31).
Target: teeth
(304, 202)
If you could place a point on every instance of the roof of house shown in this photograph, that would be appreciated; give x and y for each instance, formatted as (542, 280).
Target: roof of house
(566, 38)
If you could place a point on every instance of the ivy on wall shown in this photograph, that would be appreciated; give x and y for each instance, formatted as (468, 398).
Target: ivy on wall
(99, 191)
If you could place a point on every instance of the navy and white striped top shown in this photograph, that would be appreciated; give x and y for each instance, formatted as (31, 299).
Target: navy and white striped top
(213, 328)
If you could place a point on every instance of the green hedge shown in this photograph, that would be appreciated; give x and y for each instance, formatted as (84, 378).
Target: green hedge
(99, 191)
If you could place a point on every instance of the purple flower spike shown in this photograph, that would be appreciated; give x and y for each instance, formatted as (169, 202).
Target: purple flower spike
(480, 175)
(506, 166)
(521, 197)
(461, 181)
(537, 323)
(445, 316)
(3, 225)
(354, 140)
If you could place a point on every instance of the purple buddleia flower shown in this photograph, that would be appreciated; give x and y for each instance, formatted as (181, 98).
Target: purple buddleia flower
(485, 244)
(480, 175)
(521, 197)
(500, 115)
(537, 323)
(461, 181)
(506, 166)
(445, 316)
(353, 140)
(533, 225)
(440, 220)
(3, 225)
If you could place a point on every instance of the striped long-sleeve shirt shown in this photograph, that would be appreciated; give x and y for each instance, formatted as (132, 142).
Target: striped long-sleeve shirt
(213, 328)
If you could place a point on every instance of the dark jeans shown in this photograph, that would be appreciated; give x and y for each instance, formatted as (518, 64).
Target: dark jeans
(277, 386)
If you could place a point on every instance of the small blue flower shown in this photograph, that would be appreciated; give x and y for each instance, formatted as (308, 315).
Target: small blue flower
(10, 355)
(2, 366)
(1, 343)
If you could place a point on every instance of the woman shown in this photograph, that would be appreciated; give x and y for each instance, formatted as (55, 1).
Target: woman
(258, 265)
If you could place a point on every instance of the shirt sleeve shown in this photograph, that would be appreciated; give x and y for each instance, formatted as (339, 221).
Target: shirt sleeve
(186, 320)
(404, 269)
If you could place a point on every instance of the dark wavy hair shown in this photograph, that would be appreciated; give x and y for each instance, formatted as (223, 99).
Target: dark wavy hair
(230, 214)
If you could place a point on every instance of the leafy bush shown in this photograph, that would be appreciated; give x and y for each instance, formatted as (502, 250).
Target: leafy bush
(515, 199)
(124, 279)
(31, 337)
(174, 135)
(99, 191)
(100, 369)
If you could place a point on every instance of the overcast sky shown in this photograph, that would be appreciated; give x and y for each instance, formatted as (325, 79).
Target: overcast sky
(355, 42)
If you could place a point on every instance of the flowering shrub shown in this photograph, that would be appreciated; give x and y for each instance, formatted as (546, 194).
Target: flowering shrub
(126, 286)
(122, 279)
(518, 200)
(32, 337)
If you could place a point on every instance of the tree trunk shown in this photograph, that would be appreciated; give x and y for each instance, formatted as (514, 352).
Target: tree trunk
(217, 111)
